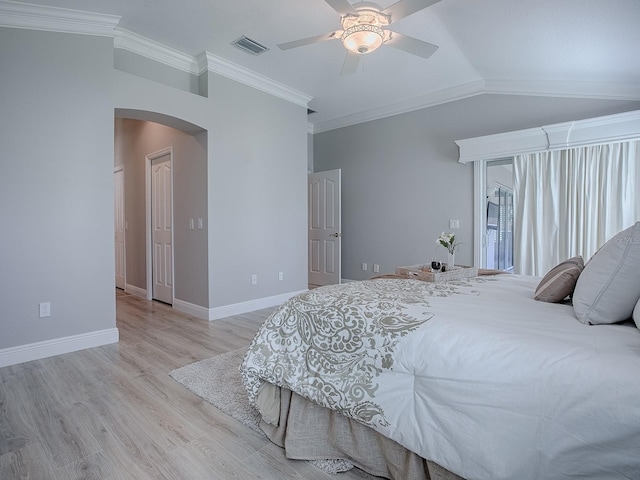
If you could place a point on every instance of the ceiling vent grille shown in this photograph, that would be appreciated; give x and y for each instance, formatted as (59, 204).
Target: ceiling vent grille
(248, 45)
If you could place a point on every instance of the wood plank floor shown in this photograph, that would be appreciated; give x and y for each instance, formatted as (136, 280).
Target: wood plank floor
(113, 412)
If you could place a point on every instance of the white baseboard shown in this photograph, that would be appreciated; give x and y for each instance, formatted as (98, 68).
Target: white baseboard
(239, 308)
(347, 280)
(137, 291)
(57, 346)
(191, 309)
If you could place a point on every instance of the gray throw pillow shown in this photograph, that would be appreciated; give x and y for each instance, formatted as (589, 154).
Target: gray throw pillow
(609, 286)
(560, 281)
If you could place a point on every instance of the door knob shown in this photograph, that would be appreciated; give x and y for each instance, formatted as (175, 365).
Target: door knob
(335, 235)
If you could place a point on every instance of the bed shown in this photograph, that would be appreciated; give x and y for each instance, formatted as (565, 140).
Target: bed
(471, 379)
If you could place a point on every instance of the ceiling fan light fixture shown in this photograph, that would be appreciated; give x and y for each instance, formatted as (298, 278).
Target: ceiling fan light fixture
(362, 38)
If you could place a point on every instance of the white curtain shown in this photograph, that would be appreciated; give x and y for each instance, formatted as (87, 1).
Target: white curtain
(569, 202)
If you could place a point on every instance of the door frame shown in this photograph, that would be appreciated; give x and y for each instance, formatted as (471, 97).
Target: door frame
(480, 213)
(116, 169)
(148, 220)
(480, 209)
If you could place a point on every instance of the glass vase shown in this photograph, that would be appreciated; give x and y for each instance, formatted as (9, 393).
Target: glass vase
(451, 260)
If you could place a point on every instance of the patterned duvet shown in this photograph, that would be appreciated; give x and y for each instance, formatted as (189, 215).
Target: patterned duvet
(474, 375)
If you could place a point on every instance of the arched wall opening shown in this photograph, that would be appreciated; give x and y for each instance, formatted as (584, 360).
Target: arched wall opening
(138, 135)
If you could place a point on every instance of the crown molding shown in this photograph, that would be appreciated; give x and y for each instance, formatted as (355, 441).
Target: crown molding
(619, 127)
(205, 61)
(215, 64)
(430, 100)
(55, 19)
(593, 90)
(37, 17)
(156, 51)
(590, 90)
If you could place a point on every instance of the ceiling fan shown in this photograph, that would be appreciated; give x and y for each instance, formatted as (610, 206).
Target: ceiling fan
(365, 28)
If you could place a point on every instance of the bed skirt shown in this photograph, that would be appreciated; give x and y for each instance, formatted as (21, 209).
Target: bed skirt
(308, 431)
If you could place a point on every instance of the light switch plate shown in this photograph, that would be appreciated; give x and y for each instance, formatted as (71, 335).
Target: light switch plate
(45, 309)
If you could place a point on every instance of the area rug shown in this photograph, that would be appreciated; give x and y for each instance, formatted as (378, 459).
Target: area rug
(217, 380)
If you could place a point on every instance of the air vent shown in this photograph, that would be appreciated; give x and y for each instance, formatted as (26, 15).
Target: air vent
(249, 46)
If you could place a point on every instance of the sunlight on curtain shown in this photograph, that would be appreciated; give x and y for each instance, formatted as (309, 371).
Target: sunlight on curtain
(569, 202)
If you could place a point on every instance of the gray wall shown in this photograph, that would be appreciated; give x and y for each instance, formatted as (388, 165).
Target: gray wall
(402, 183)
(133, 141)
(256, 179)
(58, 97)
(56, 185)
(257, 194)
(146, 68)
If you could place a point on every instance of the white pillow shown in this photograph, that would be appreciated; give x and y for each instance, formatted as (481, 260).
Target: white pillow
(636, 314)
(609, 286)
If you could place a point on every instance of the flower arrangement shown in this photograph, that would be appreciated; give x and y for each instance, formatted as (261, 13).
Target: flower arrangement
(448, 241)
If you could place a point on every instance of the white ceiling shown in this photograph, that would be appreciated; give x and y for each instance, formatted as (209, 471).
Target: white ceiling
(575, 48)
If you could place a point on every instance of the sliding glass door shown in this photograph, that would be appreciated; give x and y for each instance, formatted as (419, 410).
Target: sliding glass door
(497, 214)
(500, 229)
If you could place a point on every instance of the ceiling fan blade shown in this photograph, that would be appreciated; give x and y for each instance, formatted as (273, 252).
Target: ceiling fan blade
(308, 41)
(351, 63)
(404, 8)
(341, 6)
(411, 45)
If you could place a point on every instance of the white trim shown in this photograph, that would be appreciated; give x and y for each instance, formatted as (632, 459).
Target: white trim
(250, 306)
(479, 213)
(594, 90)
(137, 291)
(57, 346)
(430, 100)
(148, 161)
(610, 128)
(38, 17)
(191, 309)
(55, 19)
(564, 89)
(132, 42)
(117, 169)
(213, 63)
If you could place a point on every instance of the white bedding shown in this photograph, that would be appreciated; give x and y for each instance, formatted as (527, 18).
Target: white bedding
(481, 378)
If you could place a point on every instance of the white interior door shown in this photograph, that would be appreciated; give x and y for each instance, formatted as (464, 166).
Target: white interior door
(325, 238)
(119, 227)
(161, 228)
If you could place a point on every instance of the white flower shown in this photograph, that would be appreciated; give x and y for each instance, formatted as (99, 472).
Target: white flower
(448, 241)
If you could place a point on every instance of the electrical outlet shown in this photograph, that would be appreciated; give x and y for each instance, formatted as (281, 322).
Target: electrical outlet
(199, 223)
(280, 275)
(454, 224)
(376, 268)
(365, 267)
(45, 309)
(254, 279)
(191, 224)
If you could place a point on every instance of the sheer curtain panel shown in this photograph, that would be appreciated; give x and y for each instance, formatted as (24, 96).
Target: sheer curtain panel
(569, 202)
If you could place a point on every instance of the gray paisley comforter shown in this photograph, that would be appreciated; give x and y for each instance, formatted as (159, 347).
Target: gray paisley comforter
(474, 375)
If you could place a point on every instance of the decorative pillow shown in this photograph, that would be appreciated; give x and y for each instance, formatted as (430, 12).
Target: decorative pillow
(636, 314)
(560, 281)
(609, 286)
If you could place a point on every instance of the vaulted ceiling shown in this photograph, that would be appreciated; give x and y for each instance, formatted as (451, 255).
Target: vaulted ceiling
(569, 48)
